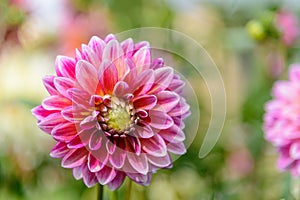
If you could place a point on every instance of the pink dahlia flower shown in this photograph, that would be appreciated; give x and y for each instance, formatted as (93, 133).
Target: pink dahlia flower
(114, 112)
(287, 23)
(282, 121)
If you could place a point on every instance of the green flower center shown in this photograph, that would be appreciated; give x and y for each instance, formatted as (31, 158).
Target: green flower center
(119, 116)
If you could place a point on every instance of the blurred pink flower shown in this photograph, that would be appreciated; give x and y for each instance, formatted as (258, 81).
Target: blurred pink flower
(287, 24)
(114, 112)
(282, 121)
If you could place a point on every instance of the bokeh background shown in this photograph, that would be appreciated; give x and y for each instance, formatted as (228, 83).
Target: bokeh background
(243, 38)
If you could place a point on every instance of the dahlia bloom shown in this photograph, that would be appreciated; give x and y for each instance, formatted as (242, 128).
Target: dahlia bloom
(114, 112)
(282, 121)
(287, 24)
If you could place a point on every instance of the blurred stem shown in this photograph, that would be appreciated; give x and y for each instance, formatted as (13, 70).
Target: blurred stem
(128, 193)
(114, 195)
(100, 192)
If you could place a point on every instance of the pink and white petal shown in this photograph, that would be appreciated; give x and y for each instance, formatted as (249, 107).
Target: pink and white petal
(163, 78)
(143, 130)
(143, 82)
(113, 52)
(65, 67)
(283, 90)
(180, 109)
(74, 113)
(77, 172)
(117, 181)
(160, 119)
(176, 85)
(117, 159)
(90, 56)
(108, 76)
(176, 148)
(89, 122)
(80, 140)
(142, 58)
(79, 97)
(128, 47)
(74, 158)
(154, 146)
(97, 45)
(295, 151)
(64, 132)
(51, 121)
(56, 102)
(48, 82)
(133, 144)
(157, 63)
(62, 84)
(141, 45)
(93, 163)
(111, 146)
(140, 178)
(59, 150)
(161, 162)
(120, 89)
(138, 162)
(145, 102)
(109, 37)
(89, 178)
(167, 100)
(40, 113)
(172, 134)
(95, 140)
(86, 75)
(294, 72)
(106, 175)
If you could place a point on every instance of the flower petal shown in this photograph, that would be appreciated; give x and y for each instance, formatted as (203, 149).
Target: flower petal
(59, 150)
(167, 100)
(295, 151)
(74, 158)
(139, 163)
(157, 63)
(142, 58)
(94, 164)
(172, 134)
(143, 130)
(154, 146)
(40, 113)
(49, 122)
(64, 132)
(117, 181)
(97, 45)
(163, 78)
(62, 84)
(145, 102)
(120, 89)
(127, 46)
(160, 120)
(48, 82)
(89, 178)
(177, 148)
(65, 67)
(108, 76)
(117, 159)
(55, 102)
(164, 161)
(105, 175)
(95, 141)
(86, 75)
(143, 82)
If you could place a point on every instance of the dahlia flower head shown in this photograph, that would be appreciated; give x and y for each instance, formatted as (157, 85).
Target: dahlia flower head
(114, 112)
(282, 121)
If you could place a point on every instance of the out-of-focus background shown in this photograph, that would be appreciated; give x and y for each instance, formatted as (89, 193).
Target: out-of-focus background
(246, 39)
